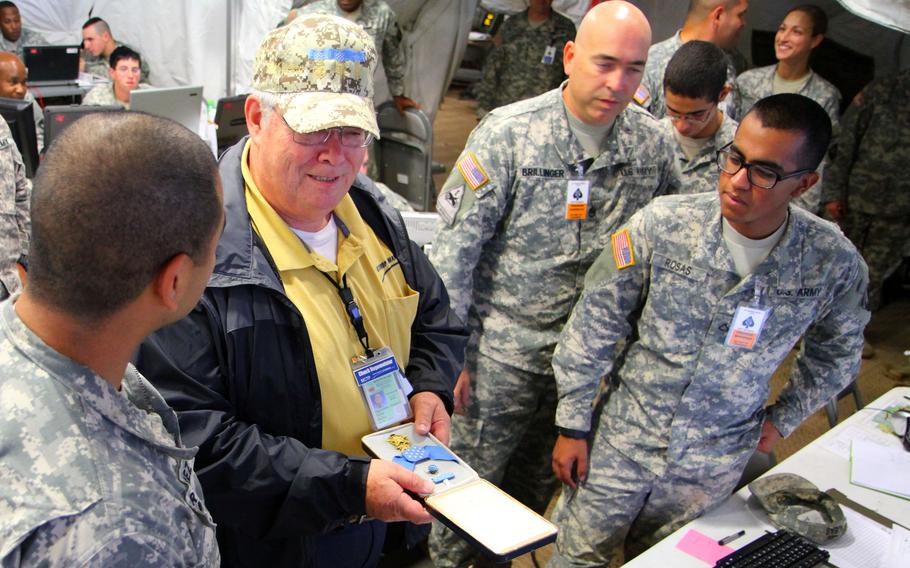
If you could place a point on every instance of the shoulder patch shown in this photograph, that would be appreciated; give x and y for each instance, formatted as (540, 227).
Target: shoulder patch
(622, 249)
(642, 96)
(448, 203)
(472, 172)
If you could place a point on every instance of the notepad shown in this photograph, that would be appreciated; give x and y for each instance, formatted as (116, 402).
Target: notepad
(703, 547)
(880, 468)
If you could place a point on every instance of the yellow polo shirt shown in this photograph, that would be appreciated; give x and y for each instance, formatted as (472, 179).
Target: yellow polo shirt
(387, 303)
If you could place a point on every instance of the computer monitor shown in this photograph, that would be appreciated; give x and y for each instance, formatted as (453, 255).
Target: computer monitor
(21, 119)
(181, 104)
(58, 118)
(230, 120)
(51, 64)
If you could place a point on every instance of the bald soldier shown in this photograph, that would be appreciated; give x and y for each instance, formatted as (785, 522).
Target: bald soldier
(14, 85)
(716, 21)
(538, 189)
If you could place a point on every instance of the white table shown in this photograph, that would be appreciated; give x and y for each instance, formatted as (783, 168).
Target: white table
(817, 463)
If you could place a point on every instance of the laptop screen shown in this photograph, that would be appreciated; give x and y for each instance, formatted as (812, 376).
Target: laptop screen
(181, 104)
(51, 62)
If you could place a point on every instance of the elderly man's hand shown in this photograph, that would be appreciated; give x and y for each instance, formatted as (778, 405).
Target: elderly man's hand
(430, 416)
(386, 499)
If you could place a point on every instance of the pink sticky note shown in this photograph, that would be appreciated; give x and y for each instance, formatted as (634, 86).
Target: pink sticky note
(703, 547)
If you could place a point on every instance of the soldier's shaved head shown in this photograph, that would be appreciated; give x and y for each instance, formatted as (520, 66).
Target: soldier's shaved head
(606, 61)
(607, 15)
(12, 76)
(699, 9)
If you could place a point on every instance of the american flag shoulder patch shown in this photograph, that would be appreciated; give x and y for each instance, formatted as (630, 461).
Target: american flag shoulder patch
(472, 172)
(622, 249)
(642, 96)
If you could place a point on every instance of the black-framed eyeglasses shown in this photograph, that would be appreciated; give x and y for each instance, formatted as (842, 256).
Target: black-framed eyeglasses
(349, 136)
(758, 175)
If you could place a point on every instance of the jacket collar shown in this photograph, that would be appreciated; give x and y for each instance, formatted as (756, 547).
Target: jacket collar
(242, 259)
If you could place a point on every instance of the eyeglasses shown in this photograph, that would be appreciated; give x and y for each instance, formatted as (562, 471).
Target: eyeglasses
(758, 175)
(697, 117)
(350, 137)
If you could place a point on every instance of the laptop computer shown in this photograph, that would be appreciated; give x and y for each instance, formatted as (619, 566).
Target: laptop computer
(50, 65)
(181, 104)
(230, 120)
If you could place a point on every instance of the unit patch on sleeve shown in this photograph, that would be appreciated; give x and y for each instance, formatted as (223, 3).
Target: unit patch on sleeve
(448, 203)
(472, 172)
(622, 249)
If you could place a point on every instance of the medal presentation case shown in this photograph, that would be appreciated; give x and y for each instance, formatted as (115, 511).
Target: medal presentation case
(475, 509)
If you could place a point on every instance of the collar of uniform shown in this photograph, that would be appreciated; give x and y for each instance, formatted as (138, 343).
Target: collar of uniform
(288, 252)
(117, 407)
(569, 149)
(781, 267)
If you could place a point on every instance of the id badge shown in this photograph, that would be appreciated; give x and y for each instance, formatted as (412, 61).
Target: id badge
(549, 55)
(383, 388)
(577, 199)
(745, 330)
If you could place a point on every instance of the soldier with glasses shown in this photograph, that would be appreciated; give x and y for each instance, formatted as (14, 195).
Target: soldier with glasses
(688, 314)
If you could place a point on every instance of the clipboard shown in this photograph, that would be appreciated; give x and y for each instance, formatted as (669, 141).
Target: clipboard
(476, 510)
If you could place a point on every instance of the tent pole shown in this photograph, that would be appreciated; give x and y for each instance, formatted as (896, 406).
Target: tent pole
(229, 52)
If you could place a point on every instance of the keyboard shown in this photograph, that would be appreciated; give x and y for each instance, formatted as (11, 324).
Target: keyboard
(781, 549)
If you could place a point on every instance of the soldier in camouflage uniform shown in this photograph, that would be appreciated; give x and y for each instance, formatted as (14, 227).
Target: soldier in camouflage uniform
(13, 85)
(801, 31)
(538, 189)
(527, 59)
(124, 71)
(866, 188)
(93, 471)
(16, 225)
(14, 37)
(380, 21)
(694, 86)
(98, 44)
(688, 326)
(717, 21)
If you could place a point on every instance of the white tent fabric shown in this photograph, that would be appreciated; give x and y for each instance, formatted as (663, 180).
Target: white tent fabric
(213, 42)
(894, 14)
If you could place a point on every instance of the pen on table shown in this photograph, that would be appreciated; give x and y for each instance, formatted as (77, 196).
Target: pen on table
(728, 539)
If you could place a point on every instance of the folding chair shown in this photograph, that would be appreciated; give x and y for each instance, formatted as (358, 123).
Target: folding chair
(831, 406)
(404, 152)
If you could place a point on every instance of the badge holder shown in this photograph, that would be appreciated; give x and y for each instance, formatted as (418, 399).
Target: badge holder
(475, 509)
(383, 388)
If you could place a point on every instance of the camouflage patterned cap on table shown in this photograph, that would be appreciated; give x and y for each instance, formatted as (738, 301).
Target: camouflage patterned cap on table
(321, 68)
(795, 503)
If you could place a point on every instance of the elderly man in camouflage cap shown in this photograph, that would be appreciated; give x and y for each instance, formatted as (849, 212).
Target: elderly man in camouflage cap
(92, 469)
(312, 273)
(538, 189)
(688, 312)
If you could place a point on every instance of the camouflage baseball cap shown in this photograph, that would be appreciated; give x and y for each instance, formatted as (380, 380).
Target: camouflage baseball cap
(321, 68)
(795, 503)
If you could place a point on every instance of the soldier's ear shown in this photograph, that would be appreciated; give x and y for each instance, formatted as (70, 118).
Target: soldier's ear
(805, 182)
(255, 116)
(568, 55)
(724, 92)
